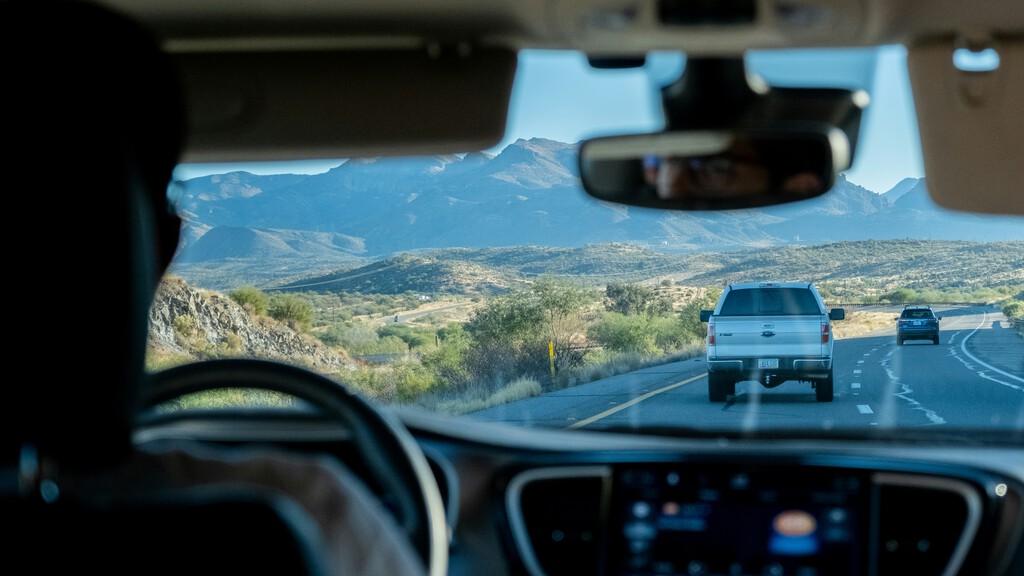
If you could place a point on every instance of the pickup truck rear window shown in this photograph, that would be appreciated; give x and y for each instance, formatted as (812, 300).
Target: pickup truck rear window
(769, 302)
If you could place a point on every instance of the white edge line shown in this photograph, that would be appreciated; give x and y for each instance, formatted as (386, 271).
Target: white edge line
(963, 347)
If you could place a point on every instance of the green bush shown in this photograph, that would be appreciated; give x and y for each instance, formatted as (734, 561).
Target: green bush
(413, 337)
(1014, 309)
(630, 299)
(252, 299)
(901, 296)
(689, 315)
(291, 309)
(625, 333)
(643, 334)
(513, 331)
(355, 337)
(360, 339)
(400, 382)
(448, 361)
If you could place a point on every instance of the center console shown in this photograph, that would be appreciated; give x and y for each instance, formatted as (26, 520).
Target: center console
(668, 519)
(758, 519)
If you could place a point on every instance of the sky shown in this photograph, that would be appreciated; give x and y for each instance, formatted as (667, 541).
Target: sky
(558, 96)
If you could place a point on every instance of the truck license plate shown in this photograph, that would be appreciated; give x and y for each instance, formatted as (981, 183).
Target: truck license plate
(767, 362)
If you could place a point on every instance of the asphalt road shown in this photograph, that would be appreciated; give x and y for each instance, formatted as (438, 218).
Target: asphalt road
(407, 316)
(973, 378)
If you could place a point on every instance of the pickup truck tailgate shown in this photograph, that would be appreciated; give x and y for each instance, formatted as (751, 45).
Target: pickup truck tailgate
(782, 336)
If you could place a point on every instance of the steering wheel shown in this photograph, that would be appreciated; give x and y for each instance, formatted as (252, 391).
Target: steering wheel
(384, 446)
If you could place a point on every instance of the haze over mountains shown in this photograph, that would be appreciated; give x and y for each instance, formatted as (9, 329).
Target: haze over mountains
(529, 194)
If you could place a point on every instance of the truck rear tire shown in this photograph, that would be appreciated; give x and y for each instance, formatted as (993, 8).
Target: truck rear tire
(720, 387)
(824, 390)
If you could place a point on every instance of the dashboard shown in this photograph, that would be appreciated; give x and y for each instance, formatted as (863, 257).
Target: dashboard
(706, 517)
(545, 502)
(559, 502)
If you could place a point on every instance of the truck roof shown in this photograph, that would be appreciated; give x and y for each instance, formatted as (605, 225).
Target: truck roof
(747, 285)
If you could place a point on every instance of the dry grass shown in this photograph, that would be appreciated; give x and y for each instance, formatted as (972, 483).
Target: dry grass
(858, 323)
(622, 362)
(158, 359)
(475, 399)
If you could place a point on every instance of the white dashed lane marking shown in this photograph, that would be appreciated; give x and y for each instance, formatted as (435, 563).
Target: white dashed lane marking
(855, 385)
(864, 409)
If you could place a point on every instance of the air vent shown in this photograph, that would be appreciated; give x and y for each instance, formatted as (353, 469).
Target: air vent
(556, 519)
(707, 12)
(926, 525)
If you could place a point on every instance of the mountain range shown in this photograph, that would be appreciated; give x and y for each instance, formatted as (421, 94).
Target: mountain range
(364, 210)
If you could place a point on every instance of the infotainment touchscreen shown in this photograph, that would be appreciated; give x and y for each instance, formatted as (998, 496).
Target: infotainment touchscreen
(700, 520)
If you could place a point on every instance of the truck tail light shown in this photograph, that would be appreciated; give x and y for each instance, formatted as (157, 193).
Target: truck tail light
(825, 330)
(711, 334)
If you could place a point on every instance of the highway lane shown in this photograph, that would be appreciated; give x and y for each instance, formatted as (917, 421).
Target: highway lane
(973, 378)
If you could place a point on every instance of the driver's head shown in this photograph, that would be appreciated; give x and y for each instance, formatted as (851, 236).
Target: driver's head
(94, 129)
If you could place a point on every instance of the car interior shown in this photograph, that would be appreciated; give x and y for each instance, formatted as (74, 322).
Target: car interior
(107, 98)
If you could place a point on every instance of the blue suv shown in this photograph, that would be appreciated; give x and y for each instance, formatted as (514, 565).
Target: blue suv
(917, 323)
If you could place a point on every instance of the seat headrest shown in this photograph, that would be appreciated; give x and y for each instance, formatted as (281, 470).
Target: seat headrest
(94, 121)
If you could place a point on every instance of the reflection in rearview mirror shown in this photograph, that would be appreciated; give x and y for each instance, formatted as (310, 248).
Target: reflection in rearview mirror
(714, 170)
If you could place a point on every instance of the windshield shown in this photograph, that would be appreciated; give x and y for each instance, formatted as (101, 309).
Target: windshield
(770, 301)
(489, 286)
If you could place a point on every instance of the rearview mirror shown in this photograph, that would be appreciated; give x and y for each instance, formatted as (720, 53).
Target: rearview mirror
(714, 169)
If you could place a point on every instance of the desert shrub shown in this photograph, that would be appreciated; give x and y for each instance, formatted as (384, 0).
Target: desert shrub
(630, 299)
(448, 360)
(291, 309)
(413, 337)
(397, 382)
(1014, 309)
(252, 299)
(625, 333)
(185, 326)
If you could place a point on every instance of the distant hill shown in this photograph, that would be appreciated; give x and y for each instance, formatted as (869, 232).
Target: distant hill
(225, 242)
(872, 265)
(430, 273)
(877, 265)
(902, 187)
(266, 228)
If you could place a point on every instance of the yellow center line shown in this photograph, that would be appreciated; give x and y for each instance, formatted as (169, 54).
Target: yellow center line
(632, 402)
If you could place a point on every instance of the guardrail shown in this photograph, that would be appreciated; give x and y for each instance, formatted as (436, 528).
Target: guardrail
(1018, 323)
(889, 305)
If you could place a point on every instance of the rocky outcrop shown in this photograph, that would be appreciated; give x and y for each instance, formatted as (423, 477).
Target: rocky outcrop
(199, 324)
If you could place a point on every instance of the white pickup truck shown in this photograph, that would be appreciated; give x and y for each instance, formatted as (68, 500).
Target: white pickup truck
(770, 332)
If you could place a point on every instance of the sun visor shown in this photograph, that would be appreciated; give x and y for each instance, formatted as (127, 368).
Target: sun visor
(266, 106)
(972, 129)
